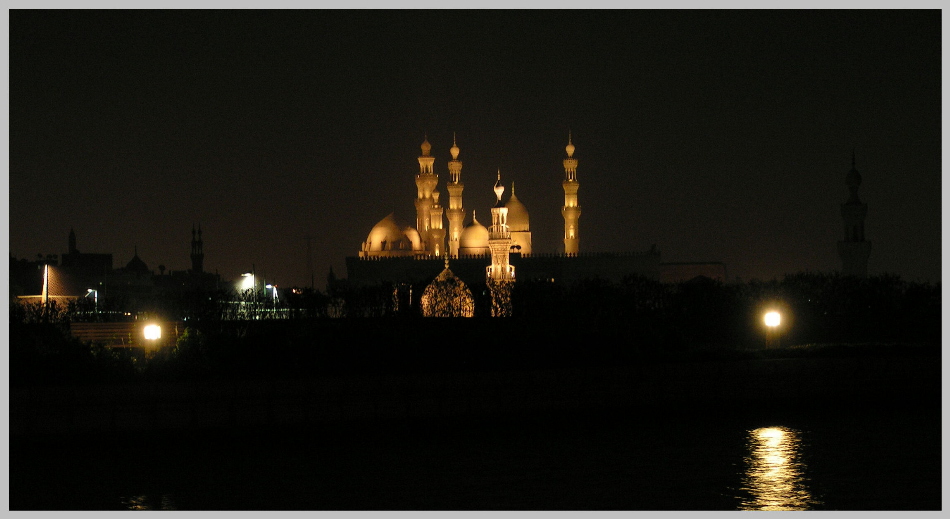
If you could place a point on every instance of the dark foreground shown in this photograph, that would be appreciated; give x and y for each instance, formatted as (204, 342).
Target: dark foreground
(668, 436)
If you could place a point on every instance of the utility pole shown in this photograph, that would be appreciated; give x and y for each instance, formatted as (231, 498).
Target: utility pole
(310, 262)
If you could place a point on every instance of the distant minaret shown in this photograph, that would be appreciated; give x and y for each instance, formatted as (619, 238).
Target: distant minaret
(499, 239)
(571, 211)
(426, 181)
(456, 214)
(854, 250)
(197, 251)
(72, 242)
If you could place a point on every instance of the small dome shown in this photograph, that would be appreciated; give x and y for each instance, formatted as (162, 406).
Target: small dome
(499, 187)
(570, 146)
(517, 213)
(136, 264)
(474, 238)
(426, 147)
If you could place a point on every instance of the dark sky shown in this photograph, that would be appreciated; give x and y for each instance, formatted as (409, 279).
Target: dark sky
(716, 135)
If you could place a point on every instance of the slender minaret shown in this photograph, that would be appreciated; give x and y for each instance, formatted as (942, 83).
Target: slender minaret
(854, 250)
(426, 181)
(437, 233)
(72, 242)
(499, 239)
(456, 214)
(571, 211)
(197, 251)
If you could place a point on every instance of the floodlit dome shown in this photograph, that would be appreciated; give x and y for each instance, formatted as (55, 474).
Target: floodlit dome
(474, 238)
(390, 235)
(517, 214)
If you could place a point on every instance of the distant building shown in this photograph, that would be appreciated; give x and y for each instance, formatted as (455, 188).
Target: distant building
(397, 252)
(854, 250)
(130, 289)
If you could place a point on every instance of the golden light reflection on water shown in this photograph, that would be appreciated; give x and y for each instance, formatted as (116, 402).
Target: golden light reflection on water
(775, 477)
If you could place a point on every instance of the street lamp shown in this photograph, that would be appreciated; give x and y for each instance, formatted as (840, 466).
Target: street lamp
(152, 332)
(95, 296)
(772, 321)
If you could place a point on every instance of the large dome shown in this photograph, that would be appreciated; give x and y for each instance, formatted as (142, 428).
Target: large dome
(390, 235)
(517, 214)
(474, 239)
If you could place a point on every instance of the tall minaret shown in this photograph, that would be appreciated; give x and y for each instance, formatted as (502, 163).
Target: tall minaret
(426, 181)
(72, 242)
(499, 239)
(854, 250)
(437, 233)
(456, 214)
(197, 251)
(571, 211)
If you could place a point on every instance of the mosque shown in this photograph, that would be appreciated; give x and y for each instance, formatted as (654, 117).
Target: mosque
(399, 252)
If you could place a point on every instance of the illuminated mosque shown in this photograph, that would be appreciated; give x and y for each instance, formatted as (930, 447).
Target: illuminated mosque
(453, 239)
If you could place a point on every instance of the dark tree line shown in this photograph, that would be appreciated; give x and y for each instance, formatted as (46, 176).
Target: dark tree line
(379, 328)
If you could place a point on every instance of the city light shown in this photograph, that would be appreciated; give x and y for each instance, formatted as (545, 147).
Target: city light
(153, 332)
(772, 321)
(248, 282)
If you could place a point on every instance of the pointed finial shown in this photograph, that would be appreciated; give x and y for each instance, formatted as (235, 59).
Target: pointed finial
(512, 188)
(454, 150)
(570, 146)
(499, 187)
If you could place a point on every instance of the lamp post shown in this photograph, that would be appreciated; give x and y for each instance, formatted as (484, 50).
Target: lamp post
(152, 334)
(95, 297)
(772, 321)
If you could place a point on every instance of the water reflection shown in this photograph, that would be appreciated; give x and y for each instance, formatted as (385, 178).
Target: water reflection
(775, 476)
(143, 502)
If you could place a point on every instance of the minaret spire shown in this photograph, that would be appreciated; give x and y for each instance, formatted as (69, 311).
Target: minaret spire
(197, 250)
(428, 212)
(571, 210)
(455, 213)
(854, 250)
(500, 274)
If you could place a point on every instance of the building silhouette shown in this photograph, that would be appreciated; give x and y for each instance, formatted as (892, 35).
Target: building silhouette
(854, 250)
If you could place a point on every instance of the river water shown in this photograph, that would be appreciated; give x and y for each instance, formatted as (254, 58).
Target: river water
(695, 459)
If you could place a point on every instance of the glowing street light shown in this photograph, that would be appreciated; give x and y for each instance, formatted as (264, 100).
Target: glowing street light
(772, 321)
(152, 332)
(95, 296)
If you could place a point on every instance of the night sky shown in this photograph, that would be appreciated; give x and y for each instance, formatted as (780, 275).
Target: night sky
(715, 135)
